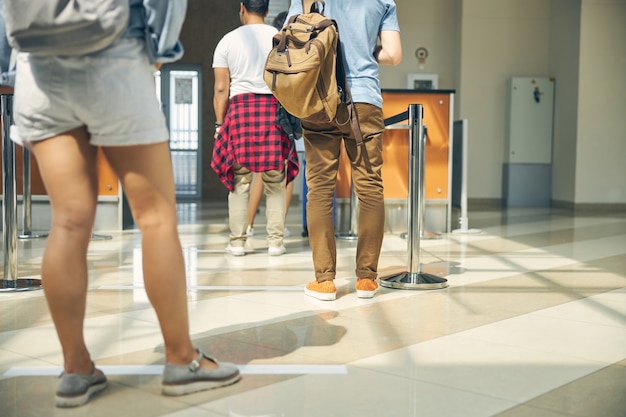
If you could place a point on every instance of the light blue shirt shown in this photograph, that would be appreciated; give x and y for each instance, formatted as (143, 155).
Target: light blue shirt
(359, 24)
(157, 21)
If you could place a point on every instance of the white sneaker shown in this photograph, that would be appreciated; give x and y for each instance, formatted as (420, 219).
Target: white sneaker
(276, 250)
(235, 250)
(250, 231)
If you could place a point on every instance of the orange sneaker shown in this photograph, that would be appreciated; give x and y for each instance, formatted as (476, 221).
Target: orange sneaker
(366, 288)
(325, 291)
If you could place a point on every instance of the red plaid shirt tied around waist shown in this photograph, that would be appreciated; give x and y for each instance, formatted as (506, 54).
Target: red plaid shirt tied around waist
(250, 137)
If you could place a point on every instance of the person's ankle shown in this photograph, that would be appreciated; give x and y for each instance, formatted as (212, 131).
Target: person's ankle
(181, 356)
(188, 357)
(79, 364)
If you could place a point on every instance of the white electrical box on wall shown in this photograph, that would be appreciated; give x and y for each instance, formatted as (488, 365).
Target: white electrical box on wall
(527, 168)
(422, 81)
(530, 117)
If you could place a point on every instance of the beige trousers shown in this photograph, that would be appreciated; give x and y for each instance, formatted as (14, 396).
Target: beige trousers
(274, 185)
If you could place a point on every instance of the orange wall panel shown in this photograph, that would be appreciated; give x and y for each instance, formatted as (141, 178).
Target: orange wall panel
(436, 112)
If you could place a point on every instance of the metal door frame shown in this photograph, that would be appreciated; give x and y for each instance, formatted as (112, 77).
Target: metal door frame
(165, 99)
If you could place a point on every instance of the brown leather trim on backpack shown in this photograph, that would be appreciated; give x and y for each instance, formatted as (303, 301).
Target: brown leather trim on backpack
(313, 6)
(346, 95)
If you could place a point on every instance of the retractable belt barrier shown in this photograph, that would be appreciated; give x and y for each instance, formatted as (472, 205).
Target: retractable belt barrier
(400, 117)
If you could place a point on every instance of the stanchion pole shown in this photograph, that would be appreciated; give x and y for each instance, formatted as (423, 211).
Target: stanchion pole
(463, 220)
(9, 281)
(414, 278)
(27, 211)
(424, 234)
(95, 236)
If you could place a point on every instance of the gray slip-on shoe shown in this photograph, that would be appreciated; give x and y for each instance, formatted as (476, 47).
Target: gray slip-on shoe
(75, 389)
(186, 379)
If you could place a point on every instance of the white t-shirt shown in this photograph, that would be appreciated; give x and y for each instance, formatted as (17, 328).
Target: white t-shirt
(244, 51)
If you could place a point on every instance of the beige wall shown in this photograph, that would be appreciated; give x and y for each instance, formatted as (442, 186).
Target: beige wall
(500, 39)
(564, 59)
(429, 24)
(601, 150)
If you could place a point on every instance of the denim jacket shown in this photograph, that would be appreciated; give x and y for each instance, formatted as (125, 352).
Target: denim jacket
(7, 58)
(157, 21)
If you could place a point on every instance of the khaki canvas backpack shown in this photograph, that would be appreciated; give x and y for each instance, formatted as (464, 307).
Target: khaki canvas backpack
(305, 69)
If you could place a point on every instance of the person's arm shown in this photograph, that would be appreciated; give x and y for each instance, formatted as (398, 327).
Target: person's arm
(389, 52)
(220, 93)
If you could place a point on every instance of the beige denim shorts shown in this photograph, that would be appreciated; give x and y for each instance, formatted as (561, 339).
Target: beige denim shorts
(112, 93)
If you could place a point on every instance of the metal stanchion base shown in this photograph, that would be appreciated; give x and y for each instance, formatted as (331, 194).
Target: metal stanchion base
(429, 235)
(466, 231)
(414, 281)
(347, 236)
(442, 269)
(426, 235)
(100, 237)
(22, 284)
(31, 235)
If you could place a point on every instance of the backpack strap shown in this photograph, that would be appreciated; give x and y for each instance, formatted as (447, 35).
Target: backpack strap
(312, 6)
(346, 95)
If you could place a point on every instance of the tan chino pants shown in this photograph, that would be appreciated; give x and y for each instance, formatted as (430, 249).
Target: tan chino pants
(323, 144)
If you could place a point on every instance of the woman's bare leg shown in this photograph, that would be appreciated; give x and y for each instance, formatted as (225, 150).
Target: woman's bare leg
(146, 175)
(68, 168)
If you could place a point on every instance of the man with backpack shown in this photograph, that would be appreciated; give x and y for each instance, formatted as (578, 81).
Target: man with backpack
(247, 137)
(361, 26)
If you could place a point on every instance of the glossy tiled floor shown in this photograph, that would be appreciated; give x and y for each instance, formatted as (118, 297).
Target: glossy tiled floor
(532, 324)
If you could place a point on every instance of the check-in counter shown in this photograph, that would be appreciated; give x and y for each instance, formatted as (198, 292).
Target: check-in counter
(438, 108)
